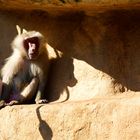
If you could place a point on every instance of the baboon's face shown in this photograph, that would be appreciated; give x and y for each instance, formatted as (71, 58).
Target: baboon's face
(31, 45)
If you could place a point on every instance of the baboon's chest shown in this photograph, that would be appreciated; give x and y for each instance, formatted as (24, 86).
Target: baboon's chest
(23, 77)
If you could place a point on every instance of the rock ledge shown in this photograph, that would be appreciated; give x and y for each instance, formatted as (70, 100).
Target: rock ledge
(95, 119)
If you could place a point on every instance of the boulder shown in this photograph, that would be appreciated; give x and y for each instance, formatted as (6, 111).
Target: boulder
(97, 119)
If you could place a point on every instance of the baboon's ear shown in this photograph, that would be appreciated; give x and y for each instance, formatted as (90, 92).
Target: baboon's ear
(18, 29)
(24, 31)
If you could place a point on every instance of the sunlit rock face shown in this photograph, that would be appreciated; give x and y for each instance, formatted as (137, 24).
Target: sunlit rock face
(94, 74)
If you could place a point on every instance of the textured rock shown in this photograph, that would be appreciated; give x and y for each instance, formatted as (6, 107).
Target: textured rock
(95, 69)
(61, 5)
(96, 55)
(99, 119)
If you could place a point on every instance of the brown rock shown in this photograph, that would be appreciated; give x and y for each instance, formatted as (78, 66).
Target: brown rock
(110, 118)
(62, 5)
(96, 53)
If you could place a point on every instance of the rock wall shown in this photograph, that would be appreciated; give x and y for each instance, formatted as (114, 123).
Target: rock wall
(94, 55)
(53, 5)
(94, 77)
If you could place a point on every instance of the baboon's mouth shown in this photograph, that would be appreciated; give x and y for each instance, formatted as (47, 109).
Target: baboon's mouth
(33, 55)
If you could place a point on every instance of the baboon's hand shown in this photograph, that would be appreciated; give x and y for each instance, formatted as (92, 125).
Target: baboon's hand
(2, 104)
(13, 102)
(42, 101)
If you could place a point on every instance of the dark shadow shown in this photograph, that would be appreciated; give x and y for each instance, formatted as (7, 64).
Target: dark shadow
(7, 33)
(60, 77)
(44, 128)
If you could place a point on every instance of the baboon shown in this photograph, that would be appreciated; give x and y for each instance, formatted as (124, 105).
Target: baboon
(24, 74)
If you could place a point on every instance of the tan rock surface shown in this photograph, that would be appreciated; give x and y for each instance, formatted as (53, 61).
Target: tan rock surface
(98, 119)
(96, 70)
